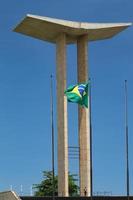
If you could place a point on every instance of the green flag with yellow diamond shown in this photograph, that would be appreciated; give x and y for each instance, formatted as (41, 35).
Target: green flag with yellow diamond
(78, 94)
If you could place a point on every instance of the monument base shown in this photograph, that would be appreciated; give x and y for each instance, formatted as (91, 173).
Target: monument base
(79, 198)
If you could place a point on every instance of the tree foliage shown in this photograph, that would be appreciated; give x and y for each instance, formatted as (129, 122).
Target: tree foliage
(45, 188)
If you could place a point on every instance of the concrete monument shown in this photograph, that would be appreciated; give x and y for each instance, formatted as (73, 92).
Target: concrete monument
(62, 32)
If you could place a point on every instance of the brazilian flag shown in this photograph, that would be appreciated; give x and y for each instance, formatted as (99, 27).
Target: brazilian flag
(78, 94)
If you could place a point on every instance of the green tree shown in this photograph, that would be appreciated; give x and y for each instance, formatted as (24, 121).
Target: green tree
(45, 188)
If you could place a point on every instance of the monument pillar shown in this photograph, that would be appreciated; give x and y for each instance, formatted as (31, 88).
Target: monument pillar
(62, 116)
(83, 120)
(55, 31)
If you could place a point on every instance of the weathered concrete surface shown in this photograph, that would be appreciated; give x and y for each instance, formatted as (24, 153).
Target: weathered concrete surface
(83, 120)
(62, 116)
(48, 29)
(9, 195)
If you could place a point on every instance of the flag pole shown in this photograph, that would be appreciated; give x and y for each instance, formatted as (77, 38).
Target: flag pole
(52, 133)
(91, 166)
(126, 132)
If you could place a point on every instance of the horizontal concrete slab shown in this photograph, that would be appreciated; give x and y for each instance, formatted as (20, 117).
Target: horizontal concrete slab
(47, 29)
(79, 198)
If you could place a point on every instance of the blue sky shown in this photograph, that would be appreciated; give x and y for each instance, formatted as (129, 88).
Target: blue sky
(25, 68)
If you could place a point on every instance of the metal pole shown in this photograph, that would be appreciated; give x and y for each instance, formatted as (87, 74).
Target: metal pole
(91, 168)
(52, 132)
(126, 131)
